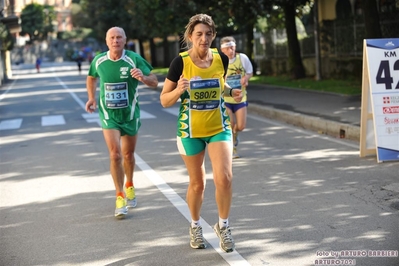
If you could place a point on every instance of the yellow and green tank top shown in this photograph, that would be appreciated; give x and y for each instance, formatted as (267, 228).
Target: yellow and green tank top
(202, 111)
(235, 72)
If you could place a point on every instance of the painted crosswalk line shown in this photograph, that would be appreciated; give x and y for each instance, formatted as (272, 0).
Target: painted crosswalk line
(53, 120)
(10, 124)
(172, 110)
(94, 118)
(145, 115)
(91, 118)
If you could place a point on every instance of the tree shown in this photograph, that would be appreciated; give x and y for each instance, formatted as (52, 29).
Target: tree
(145, 20)
(234, 17)
(48, 17)
(296, 68)
(371, 19)
(247, 16)
(6, 39)
(32, 20)
(105, 14)
(36, 21)
(142, 20)
(162, 19)
(77, 16)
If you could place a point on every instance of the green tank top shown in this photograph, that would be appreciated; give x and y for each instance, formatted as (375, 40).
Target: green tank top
(118, 90)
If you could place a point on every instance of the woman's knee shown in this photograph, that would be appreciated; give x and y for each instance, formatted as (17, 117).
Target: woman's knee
(197, 187)
(224, 183)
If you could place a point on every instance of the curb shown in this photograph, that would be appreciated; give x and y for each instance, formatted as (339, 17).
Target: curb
(322, 126)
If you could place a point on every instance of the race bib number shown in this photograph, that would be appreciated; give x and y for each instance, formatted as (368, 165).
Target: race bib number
(234, 81)
(116, 95)
(204, 94)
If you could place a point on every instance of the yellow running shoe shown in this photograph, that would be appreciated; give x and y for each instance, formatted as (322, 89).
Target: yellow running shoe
(121, 209)
(235, 154)
(236, 139)
(131, 200)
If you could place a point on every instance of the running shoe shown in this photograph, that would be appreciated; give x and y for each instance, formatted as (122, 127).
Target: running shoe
(121, 209)
(196, 238)
(226, 241)
(235, 154)
(236, 139)
(131, 200)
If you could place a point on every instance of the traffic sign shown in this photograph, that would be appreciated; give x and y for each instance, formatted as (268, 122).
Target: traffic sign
(379, 133)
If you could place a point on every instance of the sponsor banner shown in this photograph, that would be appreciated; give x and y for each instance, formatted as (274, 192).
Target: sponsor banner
(382, 57)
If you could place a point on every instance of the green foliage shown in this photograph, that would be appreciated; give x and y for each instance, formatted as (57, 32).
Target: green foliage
(32, 20)
(49, 17)
(76, 34)
(282, 3)
(102, 15)
(275, 13)
(159, 18)
(145, 20)
(160, 71)
(36, 21)
(140, 19)
(6, 39)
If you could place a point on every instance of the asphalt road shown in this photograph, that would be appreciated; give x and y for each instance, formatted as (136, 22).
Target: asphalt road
(299, 197)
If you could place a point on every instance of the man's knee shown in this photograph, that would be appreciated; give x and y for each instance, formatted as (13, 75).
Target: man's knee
(128, 156)
(115, 156)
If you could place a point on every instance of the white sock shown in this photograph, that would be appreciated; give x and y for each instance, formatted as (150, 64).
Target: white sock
(195, 223)
(223, 222)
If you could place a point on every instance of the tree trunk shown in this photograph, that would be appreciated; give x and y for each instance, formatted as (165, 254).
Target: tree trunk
(141, 48)
(296, 67)
(153, 51)
(371, 19)
(249, 32)
(249, 49)
(165, 45)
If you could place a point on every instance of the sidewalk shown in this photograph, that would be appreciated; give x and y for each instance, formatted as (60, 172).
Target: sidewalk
(326, 113)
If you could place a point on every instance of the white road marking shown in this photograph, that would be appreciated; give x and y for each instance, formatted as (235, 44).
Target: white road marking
(74, 96)
(146, 115)
(3, 95)
(91, 118)
(172, 110)
(10, 124)
(94, 118)
(52, 120)
(232, 258)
